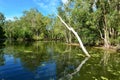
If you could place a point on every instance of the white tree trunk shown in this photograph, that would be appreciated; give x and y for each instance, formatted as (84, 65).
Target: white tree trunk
(75, 33)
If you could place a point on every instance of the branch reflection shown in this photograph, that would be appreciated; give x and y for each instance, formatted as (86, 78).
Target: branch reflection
(70, 75)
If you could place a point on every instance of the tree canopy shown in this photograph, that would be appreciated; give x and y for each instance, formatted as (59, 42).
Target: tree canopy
(2, 20)
(96, 21)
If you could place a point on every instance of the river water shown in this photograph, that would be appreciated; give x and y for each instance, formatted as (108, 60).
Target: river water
(56, 61)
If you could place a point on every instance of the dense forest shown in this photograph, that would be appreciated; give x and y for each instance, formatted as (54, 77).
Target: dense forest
(96, 22)
(2, 20)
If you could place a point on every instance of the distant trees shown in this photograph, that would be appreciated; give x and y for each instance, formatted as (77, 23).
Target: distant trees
(31, 26)
(2, 20)
(55, 29)
(95, 21)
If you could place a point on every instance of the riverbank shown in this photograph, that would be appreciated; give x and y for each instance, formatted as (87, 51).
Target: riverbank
(111, 49)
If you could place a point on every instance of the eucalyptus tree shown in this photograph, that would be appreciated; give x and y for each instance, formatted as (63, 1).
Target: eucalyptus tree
(107, 20)
(75, 33)
(24, 29)
(46, 21)
(29, 18)
(36, 22)
(8, 28)
(58, 30)
(65, 11)
(82, 19)
(54, 29)
(97, 21)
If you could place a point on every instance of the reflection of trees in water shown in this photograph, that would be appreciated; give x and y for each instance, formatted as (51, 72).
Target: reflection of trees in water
(33, 55)
(108, 68)
(66, 60)
(28, 55)
(110, 64)
(2, 59)
(105, 58)
(108, 58)
(69, 76)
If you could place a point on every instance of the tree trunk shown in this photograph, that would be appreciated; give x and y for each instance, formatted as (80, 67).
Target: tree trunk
(75, 33)
(106, 39)
(106, 33)
(70, 37)
(66, 37)
(37, 35)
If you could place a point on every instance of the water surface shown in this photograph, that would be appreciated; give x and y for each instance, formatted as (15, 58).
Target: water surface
(56, 61)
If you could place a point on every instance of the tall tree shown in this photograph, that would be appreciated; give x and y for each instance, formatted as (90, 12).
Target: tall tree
(71, 29)
(108, 20)
(65, 10)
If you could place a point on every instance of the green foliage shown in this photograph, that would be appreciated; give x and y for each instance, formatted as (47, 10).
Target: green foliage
(108, 19)
(95, 22)
(31, 26)
(2, 19)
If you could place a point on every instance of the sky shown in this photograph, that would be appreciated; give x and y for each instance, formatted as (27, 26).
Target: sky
(12, 8)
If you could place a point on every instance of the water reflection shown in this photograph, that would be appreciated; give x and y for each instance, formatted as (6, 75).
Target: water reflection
(14, 70)
(70, 75)
(2, 59)
(105, 58)
(27, 63)
(53, 61)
